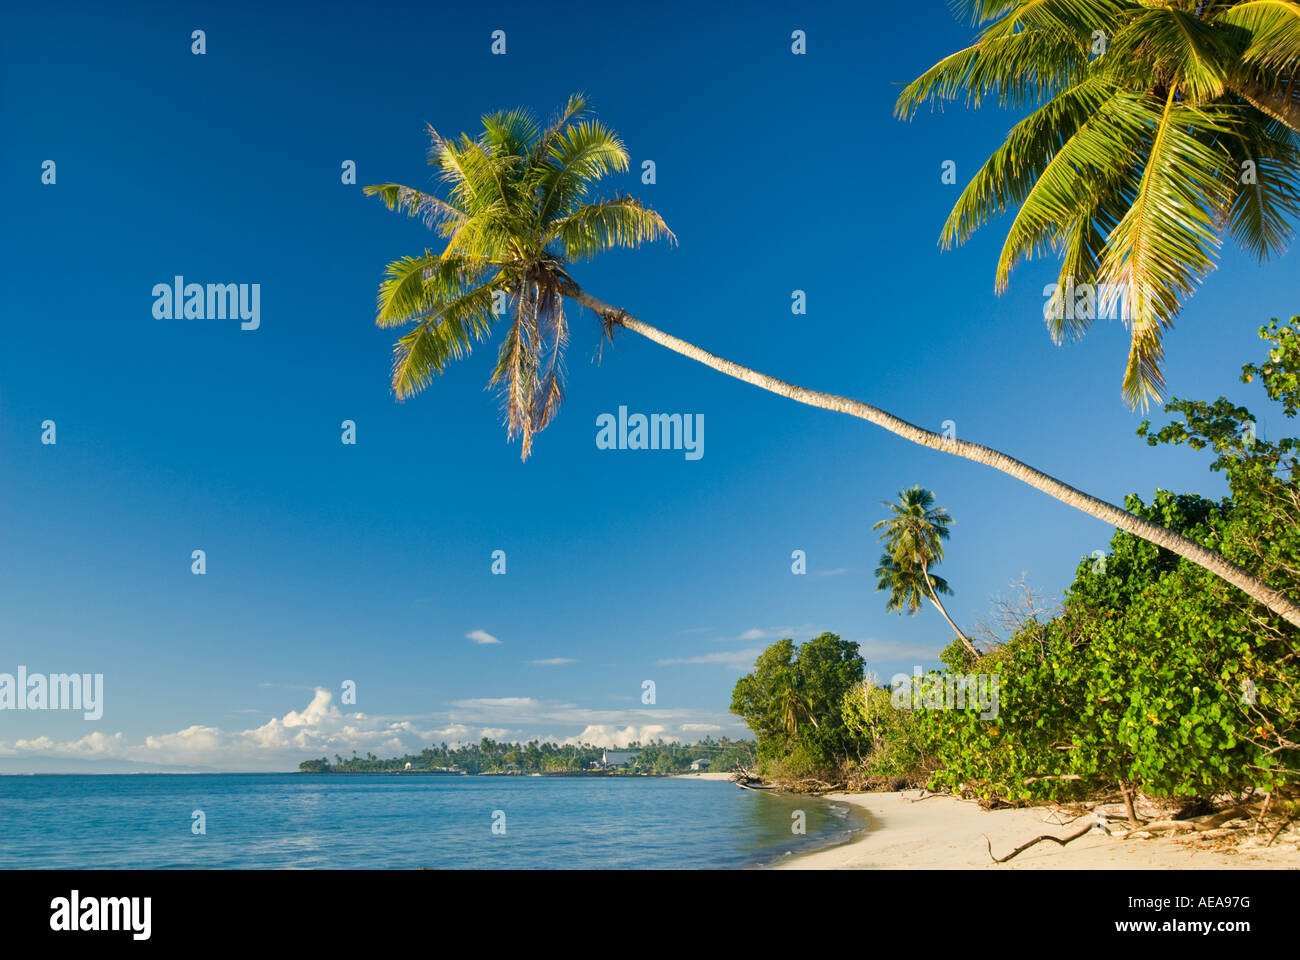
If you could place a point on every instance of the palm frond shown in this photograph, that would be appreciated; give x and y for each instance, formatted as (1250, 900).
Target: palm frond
(1010, 173)
(1167, 42)
(578, 158)
(416, 288)
(509, 133)
(1167, 239)
(422, 354)
(1109, 139)
(1264, 210)
(433, 211)
(1014, 68)
(573, 109)
(596, 227)
(1131, 170)
(553, 330)
(1273, 27)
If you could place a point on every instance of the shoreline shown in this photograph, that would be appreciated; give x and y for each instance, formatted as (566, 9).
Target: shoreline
(699, 776)
(942, 832)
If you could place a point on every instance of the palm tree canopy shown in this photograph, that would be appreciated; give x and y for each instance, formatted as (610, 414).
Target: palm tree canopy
(905, 584)
(1154, 128)
(517, 211)
(915, 530)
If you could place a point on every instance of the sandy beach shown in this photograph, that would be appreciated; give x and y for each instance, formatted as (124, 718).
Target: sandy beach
(945, 833)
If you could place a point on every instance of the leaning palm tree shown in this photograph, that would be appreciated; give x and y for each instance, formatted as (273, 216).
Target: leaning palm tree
(1155, 128)
(517, 214)
(914, 536)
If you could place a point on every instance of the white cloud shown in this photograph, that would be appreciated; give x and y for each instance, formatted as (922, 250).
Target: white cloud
(600, 735)
(740, 659)
(780, 633)
(496, 702)
(481, 636)
(553, 662)
(321, 729)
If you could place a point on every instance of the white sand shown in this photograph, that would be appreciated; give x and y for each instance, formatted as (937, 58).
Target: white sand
(945, 833)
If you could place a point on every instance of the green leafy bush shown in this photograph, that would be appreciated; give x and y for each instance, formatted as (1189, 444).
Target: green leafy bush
(792, 703)
(1158, 676)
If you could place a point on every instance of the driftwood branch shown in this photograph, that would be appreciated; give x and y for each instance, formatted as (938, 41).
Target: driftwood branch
(1280, 827)
(823, 783)
(1025, 846)
(927, 796)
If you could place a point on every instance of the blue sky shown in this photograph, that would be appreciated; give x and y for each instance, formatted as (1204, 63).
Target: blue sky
(371, 563)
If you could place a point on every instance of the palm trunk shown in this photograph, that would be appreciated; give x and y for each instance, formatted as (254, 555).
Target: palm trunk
(934, 598)
(1253, 587)
(1278, 104)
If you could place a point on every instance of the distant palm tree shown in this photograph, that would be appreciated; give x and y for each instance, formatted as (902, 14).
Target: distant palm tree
(1155, 128)
(914, 538)
(517, 214)
(907, 588)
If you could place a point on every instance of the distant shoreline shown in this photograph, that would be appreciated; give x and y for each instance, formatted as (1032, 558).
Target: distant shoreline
(552, 774)
(359, 773)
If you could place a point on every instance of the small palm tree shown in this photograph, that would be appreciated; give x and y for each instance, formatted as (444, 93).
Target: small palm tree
(914, 538)
(1155, 128)
(792, 705)
(517, 213)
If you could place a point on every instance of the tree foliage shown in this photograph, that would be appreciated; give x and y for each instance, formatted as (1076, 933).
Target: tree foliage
(1156, 674)
(518, 210)
(792, 701)
(1153, 130)
(492, 756)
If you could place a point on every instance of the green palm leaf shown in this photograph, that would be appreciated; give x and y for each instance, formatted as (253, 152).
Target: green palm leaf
(1130, 166)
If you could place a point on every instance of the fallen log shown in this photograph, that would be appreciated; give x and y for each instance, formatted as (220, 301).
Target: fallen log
(1279, 829)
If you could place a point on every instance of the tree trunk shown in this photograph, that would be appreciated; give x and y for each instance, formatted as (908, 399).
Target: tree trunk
(1257, 589)
(934, 598)
(1126, 788)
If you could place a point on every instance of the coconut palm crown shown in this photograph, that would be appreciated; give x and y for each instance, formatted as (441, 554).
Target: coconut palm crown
(1155, 127)
(914, 534)
(517, 211)
(907, 588)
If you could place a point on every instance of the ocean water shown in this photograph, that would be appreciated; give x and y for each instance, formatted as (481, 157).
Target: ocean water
(357, 821)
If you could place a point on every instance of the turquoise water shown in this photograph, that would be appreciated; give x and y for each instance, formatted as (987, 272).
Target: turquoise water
(353, 821)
